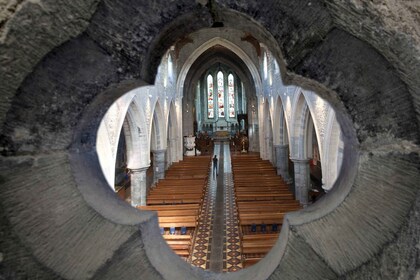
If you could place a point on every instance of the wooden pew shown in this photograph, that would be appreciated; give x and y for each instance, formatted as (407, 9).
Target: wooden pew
(261, 218)
(258, 243)
(262, 198)
(177, 221)
(177, 200)
(180, 244)
(170, 207)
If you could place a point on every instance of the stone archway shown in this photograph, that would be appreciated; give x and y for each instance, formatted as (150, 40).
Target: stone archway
(172, 134)
(301, 142)
(267, 132)
(97, 231)
(333, 150)
(158, 143)
(281, 141)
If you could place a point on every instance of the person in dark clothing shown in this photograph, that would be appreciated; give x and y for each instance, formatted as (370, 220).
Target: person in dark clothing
(215, 160)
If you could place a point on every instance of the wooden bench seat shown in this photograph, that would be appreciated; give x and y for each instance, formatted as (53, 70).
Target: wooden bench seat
(180, 182)
(257, 246)
(262, 219)
(263, 196)
(176, 195)
(267, 204)
(156, 201)
(179, 221)
(182, 253)
(185, 176)
(178, 237)
(261, 210)
(260, 182)
(170, 207)
(261, 189)
(171, 191)
(252, 237)
(251, 181)
(251, 261)
(181, 246)
(180, 186)
(177, 213)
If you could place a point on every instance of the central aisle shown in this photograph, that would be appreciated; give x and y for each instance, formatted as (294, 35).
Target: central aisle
(217, 244)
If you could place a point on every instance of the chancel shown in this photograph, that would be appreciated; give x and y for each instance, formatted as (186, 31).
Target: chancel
(209, 139)
(218, 104)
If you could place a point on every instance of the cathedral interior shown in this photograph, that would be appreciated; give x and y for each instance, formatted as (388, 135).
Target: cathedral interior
(113, 112)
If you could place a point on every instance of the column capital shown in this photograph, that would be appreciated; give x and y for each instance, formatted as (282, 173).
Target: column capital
(138, 170)
(300, 160)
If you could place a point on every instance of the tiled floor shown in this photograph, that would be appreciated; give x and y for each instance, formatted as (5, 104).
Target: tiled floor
(217, 243)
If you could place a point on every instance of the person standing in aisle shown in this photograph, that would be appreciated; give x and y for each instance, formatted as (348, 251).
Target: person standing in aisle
(215, 160)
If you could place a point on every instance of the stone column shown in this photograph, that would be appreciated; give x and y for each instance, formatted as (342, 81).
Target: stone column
(158, 164)
(138, 186)
(171, 151)
(302, 180)
(282, 162)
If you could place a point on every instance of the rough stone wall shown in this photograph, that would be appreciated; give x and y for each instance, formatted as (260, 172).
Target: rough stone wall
(392, 27)
(40, 127)
(298, 25)
(375, 97)
(31, 29)
(400, 258)
(58, 211)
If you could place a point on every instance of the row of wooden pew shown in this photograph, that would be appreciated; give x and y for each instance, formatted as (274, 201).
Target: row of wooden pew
(178, 199)
(262, 199)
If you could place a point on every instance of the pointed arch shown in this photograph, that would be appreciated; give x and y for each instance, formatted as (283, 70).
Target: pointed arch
(267, 147)
(123, 115)
(333, 151)
(224, 43)
(158, 131)
(300, 123)
(280, 126)
(139, 155)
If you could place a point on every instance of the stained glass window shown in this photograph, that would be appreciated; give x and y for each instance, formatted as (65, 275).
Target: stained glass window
(231, 93)
(210, 97)
(220, 94)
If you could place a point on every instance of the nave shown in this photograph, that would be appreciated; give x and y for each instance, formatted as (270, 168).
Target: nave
(221, 221)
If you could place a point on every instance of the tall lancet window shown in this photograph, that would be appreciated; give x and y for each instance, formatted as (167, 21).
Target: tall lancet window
(220, 94)
(210, 97)
(231, 92)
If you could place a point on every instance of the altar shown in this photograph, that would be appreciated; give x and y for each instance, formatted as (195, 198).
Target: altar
(220, 135)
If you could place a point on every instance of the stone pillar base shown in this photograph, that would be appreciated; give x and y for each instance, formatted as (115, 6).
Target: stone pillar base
(138, 186)
(302, 180)
(158, 164)
(282, 162)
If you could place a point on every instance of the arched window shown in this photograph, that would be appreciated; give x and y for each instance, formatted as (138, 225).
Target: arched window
(210, 97)
(221, 94)
(231, 93)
